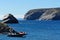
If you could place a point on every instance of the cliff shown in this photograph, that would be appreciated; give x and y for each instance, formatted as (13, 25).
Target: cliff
(43, 14)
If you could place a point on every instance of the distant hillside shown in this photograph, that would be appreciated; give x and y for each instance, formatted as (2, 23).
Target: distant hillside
(43, 14)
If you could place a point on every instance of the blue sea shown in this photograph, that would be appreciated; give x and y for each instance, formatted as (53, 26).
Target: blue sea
(36, 30)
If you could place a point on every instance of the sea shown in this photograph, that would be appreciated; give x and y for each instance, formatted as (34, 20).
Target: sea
(35, 30)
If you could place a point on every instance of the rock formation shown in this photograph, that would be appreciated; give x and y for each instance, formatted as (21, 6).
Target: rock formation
(4, 28)
(9, 18)
(43, 14)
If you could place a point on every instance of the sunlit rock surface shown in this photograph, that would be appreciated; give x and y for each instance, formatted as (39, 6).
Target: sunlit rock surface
(43, 14)
(9, 18)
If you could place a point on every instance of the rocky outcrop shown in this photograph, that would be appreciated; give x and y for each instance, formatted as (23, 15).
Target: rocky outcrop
(9, 18)
(43, 14)
(4, 28)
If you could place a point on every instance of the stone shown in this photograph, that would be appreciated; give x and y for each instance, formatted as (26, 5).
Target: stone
(4, 28)
(9, 18)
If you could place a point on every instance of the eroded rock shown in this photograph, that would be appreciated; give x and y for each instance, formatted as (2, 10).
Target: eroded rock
(43, 14)
(9, 18)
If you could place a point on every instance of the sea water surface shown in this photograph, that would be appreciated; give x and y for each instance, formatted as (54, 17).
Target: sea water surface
(36, 30)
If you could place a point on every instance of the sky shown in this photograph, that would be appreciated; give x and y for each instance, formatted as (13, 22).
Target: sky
(19, 8)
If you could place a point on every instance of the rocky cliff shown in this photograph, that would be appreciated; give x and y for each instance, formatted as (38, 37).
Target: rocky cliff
(4, 28)
(9, 18)
(43, 14)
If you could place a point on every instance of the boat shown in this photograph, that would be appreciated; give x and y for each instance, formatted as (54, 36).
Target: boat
(21, 34)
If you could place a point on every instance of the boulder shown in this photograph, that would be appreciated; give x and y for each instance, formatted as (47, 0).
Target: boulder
(4, 28)
(43, 14)
(9, 18)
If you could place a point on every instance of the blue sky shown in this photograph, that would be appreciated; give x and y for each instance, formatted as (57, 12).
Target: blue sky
(19, 7)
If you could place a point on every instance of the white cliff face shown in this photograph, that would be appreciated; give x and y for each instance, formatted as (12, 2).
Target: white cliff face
(48, 15)
(5, 16)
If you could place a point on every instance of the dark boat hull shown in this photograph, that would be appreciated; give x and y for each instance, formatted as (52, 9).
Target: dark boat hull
(15, 35)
